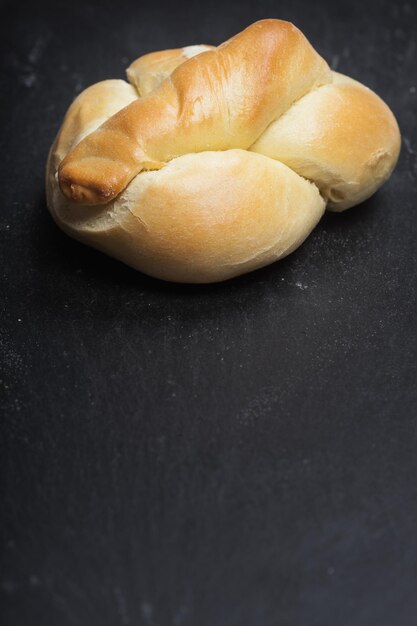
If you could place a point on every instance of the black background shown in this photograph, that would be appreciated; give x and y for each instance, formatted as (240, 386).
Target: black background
(241, 454)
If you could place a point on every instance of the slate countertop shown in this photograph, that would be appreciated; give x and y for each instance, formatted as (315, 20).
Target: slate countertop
(242, 454)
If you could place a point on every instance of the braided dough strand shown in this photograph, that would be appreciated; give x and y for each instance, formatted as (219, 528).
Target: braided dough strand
(221, 99)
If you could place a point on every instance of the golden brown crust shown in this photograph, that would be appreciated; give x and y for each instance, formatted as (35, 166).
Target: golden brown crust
(220, 99)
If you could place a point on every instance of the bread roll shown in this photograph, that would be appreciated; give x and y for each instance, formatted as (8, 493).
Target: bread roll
(216, 161)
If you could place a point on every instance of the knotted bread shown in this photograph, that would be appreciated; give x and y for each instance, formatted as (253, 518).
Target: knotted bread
(213, 162)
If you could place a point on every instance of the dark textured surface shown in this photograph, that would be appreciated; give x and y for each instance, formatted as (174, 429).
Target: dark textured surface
(236, 455)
